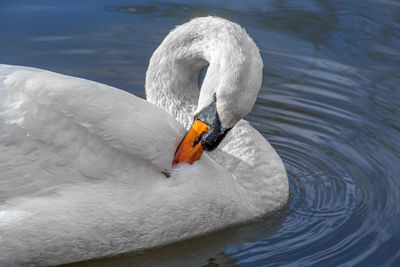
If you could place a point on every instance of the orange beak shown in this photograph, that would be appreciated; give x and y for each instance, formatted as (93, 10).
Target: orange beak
(190, 148)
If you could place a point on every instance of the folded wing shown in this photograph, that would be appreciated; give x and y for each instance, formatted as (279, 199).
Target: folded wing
(59, 129)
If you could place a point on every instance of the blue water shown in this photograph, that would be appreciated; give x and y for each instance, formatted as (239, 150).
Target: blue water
(329, 105)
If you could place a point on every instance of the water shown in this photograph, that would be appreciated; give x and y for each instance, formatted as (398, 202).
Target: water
(329, 105)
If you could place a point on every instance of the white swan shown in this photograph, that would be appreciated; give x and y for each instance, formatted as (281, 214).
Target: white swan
(81, 163)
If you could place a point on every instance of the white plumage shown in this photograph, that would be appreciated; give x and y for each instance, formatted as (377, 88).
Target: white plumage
(81, 162)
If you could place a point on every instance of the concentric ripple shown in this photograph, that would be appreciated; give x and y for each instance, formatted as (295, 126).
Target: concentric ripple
(328, 122)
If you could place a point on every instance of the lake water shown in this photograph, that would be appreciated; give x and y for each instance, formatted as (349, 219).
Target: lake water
(329, 104)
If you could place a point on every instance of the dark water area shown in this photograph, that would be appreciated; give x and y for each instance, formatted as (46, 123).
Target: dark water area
(329, 104)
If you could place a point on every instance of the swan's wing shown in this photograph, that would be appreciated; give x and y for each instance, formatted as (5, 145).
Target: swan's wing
(248, 156)
(56, 128)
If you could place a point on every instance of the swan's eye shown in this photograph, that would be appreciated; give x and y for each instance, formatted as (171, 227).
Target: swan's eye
(215, 97)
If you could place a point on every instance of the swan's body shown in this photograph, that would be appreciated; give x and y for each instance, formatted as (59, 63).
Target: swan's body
(81, 163)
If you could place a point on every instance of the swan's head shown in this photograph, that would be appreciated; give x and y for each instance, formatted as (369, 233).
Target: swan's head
(228, 93)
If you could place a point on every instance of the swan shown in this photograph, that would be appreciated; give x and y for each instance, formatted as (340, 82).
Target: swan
(88, 170)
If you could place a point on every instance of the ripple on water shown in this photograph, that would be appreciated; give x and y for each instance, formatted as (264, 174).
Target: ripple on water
(340, 194)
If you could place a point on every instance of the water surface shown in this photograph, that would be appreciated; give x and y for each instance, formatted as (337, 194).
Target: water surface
(329, 105)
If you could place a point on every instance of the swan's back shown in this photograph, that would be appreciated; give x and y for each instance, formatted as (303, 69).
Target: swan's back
(57, 129)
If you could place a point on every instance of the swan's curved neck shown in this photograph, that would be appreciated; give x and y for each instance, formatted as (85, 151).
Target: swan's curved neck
(171, 79)
(172, 76)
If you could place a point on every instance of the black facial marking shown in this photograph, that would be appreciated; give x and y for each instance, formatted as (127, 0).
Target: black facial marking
(216, 134)
(208, 114)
